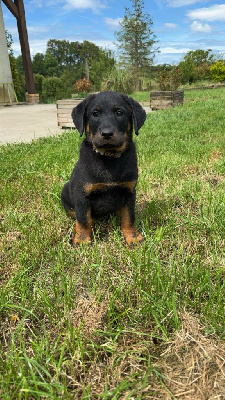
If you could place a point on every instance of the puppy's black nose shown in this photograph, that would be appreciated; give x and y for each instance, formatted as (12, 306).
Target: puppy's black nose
(107, 133)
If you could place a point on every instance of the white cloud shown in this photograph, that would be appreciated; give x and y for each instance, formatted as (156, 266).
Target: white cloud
(105, 44)
(36, 46)
(170, 25)
(95, 5)
(13, 30)
(199, 27)
(182, 3)
(42, 3)
(37, 29)
(213, 13)
(37, 3)
(113, 23)
(174, 50)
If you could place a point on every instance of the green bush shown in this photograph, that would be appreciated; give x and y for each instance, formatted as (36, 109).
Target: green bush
(38, 83)
(202, 72)
(218, 71)
(54, 89)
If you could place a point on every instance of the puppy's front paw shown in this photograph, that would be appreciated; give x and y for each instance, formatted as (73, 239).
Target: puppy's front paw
(77, 239)
(133, 238)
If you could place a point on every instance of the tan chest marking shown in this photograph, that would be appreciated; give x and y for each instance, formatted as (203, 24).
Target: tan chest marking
(102, 186)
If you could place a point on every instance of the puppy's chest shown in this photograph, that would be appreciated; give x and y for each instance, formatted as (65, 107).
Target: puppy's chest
(107, 180)
(112, 170)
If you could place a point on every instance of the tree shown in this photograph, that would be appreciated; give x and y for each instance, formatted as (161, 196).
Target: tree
(199, 57)
(38, 64)
(66, 53)
(51, 66)
(196, 65)
(136, 40)
(78, 60)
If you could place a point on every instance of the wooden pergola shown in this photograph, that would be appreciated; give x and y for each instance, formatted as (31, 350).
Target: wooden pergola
(17, 9)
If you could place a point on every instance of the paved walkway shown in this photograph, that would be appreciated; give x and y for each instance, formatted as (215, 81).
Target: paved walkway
(22, 123)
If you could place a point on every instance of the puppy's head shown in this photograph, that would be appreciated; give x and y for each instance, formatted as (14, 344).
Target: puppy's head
(108, 119)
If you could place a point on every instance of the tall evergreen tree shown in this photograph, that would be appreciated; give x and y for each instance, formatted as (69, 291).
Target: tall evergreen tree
(136, 40)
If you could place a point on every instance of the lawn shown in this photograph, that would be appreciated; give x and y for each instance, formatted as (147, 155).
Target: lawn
(103, 321)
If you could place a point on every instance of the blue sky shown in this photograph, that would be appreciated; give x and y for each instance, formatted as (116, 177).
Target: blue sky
(180, 25)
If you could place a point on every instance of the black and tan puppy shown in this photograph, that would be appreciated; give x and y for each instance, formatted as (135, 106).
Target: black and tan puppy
(105, 176)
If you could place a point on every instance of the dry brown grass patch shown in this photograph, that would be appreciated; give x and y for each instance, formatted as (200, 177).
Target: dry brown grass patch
(88, 314)
(193, 364)
(191, 367)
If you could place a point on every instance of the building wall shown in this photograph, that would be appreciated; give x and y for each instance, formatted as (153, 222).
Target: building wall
(5, 70)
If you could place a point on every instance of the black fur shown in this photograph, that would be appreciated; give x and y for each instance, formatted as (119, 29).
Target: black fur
(104, 178)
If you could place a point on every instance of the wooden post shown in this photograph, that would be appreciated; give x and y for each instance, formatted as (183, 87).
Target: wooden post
(17, 9)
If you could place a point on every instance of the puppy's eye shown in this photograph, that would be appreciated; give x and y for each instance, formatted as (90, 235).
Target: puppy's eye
(95, 114)
(119, 113)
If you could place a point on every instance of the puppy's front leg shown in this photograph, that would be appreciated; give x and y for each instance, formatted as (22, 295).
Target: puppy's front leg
(129, 230)
(82, 228)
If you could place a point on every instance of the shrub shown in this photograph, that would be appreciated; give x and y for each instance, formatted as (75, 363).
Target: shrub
(169, 80)
(82, 85)
(218, 71)
(54, 89)
(38, 83)
(202, 72)
(119, 80)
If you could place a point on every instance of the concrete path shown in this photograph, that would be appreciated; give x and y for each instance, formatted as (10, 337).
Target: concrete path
(22, 123)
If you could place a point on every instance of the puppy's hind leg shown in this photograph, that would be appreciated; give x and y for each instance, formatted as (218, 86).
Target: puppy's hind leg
(65, 199)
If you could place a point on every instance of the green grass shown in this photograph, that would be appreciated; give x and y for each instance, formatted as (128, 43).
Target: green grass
(190, 95)
(141, 96)
(94, 322)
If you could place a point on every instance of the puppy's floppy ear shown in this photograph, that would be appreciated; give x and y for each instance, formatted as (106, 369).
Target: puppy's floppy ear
(139, 114)
(78, 114)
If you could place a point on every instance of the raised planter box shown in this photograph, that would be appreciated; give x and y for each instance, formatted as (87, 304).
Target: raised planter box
(64, 110)
(160, 100)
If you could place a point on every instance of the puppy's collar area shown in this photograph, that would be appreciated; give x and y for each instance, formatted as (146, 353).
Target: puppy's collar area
(109, 153)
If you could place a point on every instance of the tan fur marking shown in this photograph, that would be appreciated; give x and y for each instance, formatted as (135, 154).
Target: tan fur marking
(131, 235)
(80, 233)
(101, 186)
(130, 185)
(95, 187)
(121, 148)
